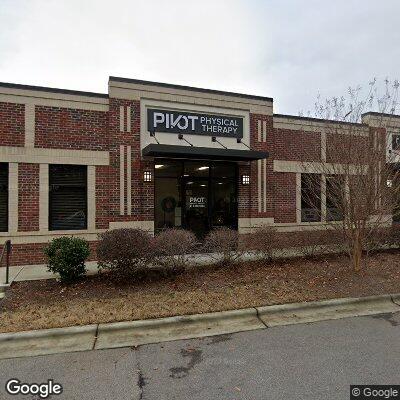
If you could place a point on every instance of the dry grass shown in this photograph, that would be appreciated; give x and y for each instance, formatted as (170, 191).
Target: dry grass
(48, 304)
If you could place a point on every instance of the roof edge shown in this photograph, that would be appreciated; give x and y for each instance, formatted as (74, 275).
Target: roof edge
(328, 121)
(52, 90)
(189, 88)
(378, 114)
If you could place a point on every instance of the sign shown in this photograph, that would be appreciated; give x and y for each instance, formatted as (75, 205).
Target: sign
(197, 202)
(193, 123)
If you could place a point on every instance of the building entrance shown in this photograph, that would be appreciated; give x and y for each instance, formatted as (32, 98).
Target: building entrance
(195, 195)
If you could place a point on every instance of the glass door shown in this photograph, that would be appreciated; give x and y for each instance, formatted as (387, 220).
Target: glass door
(196, 192)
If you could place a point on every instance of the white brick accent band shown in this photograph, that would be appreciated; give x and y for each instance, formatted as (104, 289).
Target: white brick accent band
(121, 180)
(13, 197)
(44, 197)
(29, 125)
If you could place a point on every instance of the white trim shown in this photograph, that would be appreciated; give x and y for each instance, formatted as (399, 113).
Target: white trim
(13, 198)
(121, 119)
(259, 130)
(145, 225)
(312, 167)
(44, 197)
(323, 146)
(264, 131)
(137, 91)
(265, 185)
(323, 198)
(128, 118)
(259, 184)
(121, 181)
(44, 237)
(91, 197)
(50, 99)
(306, 125)
(247, 225)
(53, 156)
(298, 198)
(29, 125)
(129, 179)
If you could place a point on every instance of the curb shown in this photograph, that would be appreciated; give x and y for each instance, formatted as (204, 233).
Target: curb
(136, 333)
(47, 341)
(294, 313)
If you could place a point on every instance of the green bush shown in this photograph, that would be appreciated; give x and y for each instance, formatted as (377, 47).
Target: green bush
(66, 256)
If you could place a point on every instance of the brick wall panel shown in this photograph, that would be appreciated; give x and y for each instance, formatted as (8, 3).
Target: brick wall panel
(28, 197)
(67, 128)
(12, 124)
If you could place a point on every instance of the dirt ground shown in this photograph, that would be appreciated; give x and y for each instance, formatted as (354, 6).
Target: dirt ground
(97, 299)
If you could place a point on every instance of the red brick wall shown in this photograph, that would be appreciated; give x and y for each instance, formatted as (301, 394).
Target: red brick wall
(67, 128)
(292, 145)
(142, 192)
(28, 197)
(103, 183)
(12, 124)
(285, 197)
(340, 148)
(32, 253)
(267, 146)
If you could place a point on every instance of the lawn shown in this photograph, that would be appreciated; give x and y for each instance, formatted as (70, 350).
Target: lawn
(97, 299)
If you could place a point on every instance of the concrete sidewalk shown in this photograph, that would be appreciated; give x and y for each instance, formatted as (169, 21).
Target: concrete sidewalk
(37, 272)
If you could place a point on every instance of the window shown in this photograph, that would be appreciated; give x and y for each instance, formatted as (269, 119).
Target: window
(334, 197)
(67, 197)
(396, 142)
(3, 197)
(196, 195)
(310, 197)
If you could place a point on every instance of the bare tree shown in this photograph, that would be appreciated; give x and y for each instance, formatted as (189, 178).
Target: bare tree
(350, 186)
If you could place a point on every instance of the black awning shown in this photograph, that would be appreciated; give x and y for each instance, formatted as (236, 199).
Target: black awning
(204, 153)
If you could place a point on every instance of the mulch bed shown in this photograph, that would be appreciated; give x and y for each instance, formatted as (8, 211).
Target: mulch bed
(98, 299)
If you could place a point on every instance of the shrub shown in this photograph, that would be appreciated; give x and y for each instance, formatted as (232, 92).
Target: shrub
(224, 242)
(171, 247)
(127, 253)
(313, 244)
(66, 256)
(262, 241)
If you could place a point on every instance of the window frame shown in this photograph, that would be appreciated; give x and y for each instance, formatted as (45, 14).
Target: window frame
(7, 212)
(50, 208)
(318, 212)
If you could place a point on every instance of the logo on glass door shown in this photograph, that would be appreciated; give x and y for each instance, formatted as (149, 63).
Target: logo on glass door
(197, 202)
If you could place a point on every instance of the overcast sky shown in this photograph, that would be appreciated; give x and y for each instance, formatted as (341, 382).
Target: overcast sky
(286, 49)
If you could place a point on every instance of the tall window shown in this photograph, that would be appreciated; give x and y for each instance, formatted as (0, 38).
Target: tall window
(395, 142)
(310, 197)
(3, 197)
(334, 197)
(67, 197)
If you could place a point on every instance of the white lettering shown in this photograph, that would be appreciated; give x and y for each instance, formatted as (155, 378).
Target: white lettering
(186, 122)
(175, 122)
(193, 118)
(11, 386)
(158, 118)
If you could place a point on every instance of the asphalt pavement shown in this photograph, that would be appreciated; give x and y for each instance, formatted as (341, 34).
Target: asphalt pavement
(304, 361)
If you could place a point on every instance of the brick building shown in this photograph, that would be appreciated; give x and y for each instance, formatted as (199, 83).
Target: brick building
(151, 155)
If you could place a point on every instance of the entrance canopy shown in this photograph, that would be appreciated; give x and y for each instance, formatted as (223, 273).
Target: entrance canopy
(204, 153)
